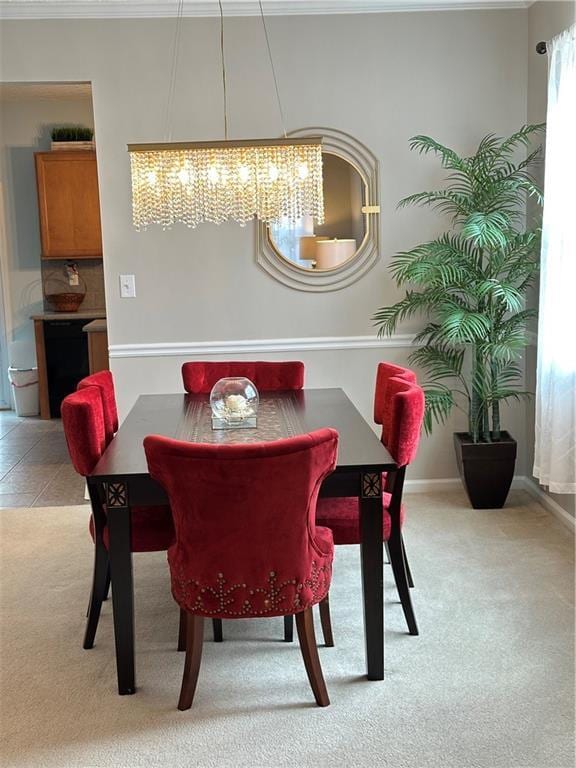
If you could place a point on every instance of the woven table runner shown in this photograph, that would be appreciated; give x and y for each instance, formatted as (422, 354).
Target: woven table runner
(277, 419)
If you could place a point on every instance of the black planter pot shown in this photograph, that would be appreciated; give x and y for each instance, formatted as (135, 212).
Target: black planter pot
(486, 469)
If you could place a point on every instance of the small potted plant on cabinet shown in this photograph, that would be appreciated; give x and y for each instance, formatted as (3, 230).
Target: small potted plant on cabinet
(470, 284)
(67, 137)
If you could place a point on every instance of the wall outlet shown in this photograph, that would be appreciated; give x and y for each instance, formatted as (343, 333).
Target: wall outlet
(128, 286)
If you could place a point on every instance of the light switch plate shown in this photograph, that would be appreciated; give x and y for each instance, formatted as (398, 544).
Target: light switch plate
(128, 286)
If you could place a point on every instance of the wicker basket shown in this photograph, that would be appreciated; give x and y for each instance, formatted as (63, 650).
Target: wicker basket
(65, 302)
(58, 294)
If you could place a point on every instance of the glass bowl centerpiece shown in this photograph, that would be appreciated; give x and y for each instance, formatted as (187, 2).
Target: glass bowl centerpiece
(234, 403)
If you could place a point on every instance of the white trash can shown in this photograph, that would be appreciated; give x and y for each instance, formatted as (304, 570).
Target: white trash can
(24, 383)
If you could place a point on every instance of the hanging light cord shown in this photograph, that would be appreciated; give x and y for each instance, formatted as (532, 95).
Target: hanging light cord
(173, 70)
(223, 71)
(282, 120)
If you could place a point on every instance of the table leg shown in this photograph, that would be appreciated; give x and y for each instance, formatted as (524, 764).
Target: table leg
(371, 553)
(122, 586)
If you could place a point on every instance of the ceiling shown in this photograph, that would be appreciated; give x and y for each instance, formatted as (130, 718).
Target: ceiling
(48, 91)
(61, 9)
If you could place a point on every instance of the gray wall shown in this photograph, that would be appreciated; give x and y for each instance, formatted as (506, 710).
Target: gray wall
(25, 123)
(381, 78)
(545, 20)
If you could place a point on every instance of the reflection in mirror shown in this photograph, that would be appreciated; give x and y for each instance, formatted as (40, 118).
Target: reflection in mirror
(336, 241)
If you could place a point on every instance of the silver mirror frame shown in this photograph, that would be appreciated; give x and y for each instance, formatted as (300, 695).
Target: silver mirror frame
(302, 279)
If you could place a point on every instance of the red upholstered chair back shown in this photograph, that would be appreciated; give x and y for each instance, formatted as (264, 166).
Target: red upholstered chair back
(384, 372)
(200, 377)
(105, 383)
(83, 421)
(405, 411)
(246, 538)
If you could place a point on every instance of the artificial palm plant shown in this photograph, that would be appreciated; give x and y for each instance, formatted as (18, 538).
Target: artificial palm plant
(470, 283)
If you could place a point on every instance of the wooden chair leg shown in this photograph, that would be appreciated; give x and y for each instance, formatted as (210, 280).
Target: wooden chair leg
(288, 628)
(217, 630)
(326, 622)
(182, 630)
(99, 581)
(305, 628)
(194, 642)
(107, 588)
(406, 564)
(401, 579)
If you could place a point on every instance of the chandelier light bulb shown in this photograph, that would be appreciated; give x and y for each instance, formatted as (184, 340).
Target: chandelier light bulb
(244, 173)
(273, 173)
(303, 171)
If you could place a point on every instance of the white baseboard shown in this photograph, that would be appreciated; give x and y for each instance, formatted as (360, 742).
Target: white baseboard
(520, 482)
(547, 502)
(429, 486)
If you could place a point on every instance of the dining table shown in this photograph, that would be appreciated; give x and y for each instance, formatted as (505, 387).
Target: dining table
(120, 479)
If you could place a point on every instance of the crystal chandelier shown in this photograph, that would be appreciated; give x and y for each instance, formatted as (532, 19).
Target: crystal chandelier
(196, 182)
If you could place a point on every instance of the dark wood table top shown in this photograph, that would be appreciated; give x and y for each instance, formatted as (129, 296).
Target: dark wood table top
(187, 417)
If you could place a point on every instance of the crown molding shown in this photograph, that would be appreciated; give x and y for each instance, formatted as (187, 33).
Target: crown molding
(151, 9)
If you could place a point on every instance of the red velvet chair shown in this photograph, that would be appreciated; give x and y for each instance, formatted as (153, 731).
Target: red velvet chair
(404, 411)
(200, 377)
(246, 540)
(384, 372)
(152, 529)
(105, 383)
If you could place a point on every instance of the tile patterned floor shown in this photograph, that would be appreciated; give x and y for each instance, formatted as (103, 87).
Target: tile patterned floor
(35, 469)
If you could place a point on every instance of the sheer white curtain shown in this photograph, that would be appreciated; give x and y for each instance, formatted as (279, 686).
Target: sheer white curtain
(555, 451)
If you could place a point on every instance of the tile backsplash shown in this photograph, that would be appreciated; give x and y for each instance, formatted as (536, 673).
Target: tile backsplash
(91, 276)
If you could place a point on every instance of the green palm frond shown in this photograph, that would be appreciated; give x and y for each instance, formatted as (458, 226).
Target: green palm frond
(412, 304)
(487, 230)
(448, 261)
(506, 169)
(504, 351)
(438, 406)
(463, 327)
(514, 323)
(489, 146)
(507, 293)
(449, 158)
(445, 201)
(439, 362)
(499, 395)
(522, 137)
(432, 333)
(508, 377)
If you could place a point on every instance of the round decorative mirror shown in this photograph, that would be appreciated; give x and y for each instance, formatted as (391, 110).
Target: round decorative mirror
(328, 256)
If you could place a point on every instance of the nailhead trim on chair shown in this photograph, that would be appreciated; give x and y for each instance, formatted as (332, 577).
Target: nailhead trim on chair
(317, 582)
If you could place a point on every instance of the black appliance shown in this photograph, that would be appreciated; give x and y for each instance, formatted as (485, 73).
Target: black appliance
(66, 358)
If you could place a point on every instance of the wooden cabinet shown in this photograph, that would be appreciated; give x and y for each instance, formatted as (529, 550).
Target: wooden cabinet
(97, 345)
(69, 204)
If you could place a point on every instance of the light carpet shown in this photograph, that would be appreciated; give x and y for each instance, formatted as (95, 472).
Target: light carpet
(489, 683)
